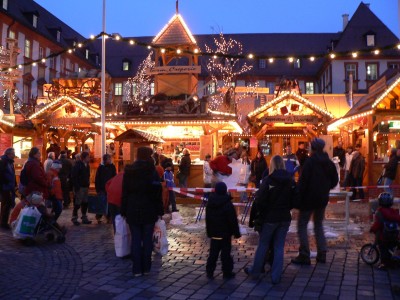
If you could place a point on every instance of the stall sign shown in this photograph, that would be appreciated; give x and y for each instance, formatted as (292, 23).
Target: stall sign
(394, 125)
(173, 70)
(290, 119)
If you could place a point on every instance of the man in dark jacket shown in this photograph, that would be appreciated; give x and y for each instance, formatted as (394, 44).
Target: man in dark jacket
(389, 174)
(104, 173)
(221, 224)
(318, 177)
(65, 177)
(81, 182)
(7, 186)
(184, 168)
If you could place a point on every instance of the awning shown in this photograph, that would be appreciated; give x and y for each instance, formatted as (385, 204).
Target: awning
(138, 136)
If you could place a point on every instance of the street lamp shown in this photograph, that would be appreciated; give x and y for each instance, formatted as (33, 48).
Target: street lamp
(103, 83)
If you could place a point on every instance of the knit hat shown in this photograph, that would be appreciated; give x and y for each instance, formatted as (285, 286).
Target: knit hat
(56, 165)
(221, 188)
(317, 144)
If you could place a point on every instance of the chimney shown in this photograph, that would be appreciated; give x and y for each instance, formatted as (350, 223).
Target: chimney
(345, 20)
(367, 4)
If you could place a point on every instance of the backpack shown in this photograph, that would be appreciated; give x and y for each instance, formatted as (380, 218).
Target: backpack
(23, 181)
(390, 230)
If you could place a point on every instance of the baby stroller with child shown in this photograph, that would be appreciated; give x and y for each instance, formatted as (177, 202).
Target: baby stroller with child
(35, 220)
(386, 246)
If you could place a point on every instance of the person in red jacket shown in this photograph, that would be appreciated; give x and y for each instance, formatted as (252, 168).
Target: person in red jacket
(385, 213)
(220, 164)
(114, 195)
(37, 179)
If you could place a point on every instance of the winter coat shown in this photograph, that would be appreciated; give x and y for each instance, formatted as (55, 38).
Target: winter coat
(258, 166)
(184, 165)
(7, 174)
(66, 169)
(318, 177)
(47, 164)
(388, 214)
(357, 165)
(275, 198)
(391, 167)
(220, 165)
(55, 184)
(169, 178)
(341, 153)
(208, 173)
(80, 175)
(37, 179)
(221, 219)
(103, 174)
(141, 193)
(349, 158)
(302, 155)
(114, 189)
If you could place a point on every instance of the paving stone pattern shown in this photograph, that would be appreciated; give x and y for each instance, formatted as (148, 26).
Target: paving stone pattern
(85, 267)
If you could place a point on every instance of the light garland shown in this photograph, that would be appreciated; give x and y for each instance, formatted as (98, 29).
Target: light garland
(334, 126)
(376, 102)
(196, 52)
(74, 130)
(175, 17)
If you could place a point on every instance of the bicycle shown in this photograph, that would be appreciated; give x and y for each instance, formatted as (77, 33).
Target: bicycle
(370, 253)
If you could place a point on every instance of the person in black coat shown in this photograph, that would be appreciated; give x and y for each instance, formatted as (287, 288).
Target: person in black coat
(7, 186)
(221, 224)
(258, 167)
(104, 173)
(65, 178)
(141, 205)
(390, 171)
(318, 177)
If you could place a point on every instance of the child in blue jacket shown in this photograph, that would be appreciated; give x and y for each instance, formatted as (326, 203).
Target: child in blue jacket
(169, 180)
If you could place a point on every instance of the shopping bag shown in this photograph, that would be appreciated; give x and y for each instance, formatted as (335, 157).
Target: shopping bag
(97, 204)
(26, 223)
(160, 241)
(122, 237)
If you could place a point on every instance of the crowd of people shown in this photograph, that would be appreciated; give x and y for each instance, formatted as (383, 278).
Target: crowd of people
(141, 193)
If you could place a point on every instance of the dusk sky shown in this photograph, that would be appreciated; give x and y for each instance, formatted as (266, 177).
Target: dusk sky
(148, 17)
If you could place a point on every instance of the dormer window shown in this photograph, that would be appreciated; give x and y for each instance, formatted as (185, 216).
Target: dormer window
(370, 40)
(34, 21)
(5, 4)
(126, 65)
(58, 36)
(262, 63)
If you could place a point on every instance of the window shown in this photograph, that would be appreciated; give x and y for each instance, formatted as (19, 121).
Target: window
(211, 88)
(5, 4)
(152, 88)
(118, 89)
(126, 65)
(11, 35)
(97, 59)
(262, 64)
(87, 54)
(372, 71)
(271, 87)
(58, 36)
(62, 65)
(53, 62)
(34, 21)
(351, 69)
(27, 50)
(296, 63)
(393, 65)
(41, 52)
(370, 40)
(309, 87)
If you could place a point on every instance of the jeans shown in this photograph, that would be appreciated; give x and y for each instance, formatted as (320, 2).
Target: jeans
(302, 222)
(113, 210)
(388, 181)
(357, 182)
(57, 207)
(275, 232)
(183, 180)
(142, 246)
(80, 202)
(216, 246)
(172, 200)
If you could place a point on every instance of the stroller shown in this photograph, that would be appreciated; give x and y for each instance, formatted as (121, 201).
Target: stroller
(35, 221)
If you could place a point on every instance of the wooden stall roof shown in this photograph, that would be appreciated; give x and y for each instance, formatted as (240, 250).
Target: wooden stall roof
(138, 136)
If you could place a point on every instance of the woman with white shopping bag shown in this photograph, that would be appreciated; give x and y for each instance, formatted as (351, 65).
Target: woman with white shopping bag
(141, 205)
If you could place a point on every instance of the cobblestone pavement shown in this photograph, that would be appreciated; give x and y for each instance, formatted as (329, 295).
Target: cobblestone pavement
(85, 267)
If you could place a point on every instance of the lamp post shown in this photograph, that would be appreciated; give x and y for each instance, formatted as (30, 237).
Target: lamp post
(103, 83)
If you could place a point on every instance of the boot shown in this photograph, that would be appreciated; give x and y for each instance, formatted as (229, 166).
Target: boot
(301, 260)
(85, 220)
(321, 257)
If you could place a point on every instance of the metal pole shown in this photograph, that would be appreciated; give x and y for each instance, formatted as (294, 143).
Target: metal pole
(103, 83)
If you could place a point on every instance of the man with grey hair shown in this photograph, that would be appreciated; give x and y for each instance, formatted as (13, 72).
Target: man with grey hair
(7, 186)
(49, 161)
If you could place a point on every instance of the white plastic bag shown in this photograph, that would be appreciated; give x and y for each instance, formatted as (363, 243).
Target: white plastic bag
(26, 223)
(176, 219)
(160, 241)
(122, 237)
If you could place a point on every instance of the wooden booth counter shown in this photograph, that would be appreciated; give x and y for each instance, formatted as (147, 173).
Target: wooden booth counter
(195, 179)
